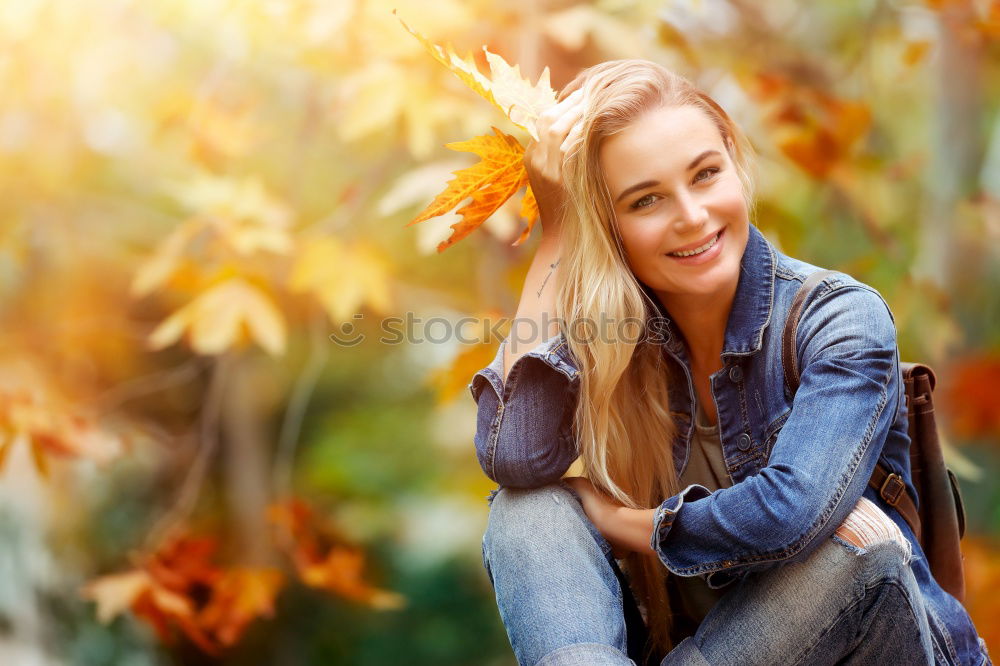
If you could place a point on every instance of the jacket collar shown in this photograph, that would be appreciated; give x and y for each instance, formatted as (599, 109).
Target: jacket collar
(754, 301)
(752, 305)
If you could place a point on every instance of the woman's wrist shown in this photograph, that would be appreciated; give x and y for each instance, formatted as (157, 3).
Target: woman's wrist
(628, 529)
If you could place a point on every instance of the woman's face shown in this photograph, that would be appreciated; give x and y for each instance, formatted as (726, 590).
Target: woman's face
(679, 203)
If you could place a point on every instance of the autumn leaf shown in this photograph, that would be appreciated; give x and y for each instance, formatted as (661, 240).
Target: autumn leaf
(340, 571)
(50, 427)
(498, 175)
(501, 173)
(529, 211)
(451, 380)
(817, 138)
(323, 558)
(181, 588)
(464, 68)
(158, 594)
(240, 596)
(116, 593)
(217, 318)
(243, 212)
(814, 129)
(342, 277)
(519, 99)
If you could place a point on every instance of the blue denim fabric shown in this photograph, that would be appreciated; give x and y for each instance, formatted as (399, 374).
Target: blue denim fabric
(798, 468)
(562, 598)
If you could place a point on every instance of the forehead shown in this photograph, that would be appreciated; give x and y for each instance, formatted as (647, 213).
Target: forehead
(662, 140)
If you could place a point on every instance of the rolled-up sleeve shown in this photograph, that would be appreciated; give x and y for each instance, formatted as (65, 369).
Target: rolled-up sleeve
(847, 401)
(524, 435)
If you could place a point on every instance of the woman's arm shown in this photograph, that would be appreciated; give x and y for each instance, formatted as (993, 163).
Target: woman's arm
(543, 160)
(847, 404)
(524, 426)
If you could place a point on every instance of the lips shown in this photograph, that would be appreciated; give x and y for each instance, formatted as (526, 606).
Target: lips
(695, 249)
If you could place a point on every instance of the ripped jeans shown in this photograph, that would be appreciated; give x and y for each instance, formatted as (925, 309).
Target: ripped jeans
(564, 600)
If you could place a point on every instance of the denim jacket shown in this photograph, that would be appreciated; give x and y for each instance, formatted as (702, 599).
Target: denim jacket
(798, 467)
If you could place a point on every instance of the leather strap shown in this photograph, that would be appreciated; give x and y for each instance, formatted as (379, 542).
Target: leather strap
(892, 489)
(889, 485)
(789, 357)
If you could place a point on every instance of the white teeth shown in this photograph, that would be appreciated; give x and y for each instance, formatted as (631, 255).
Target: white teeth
(697, 250)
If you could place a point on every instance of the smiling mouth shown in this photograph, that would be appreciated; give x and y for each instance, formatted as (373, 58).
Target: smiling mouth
(698, 250)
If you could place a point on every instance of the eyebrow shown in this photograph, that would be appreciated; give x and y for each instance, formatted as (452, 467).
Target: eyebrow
(649, 183)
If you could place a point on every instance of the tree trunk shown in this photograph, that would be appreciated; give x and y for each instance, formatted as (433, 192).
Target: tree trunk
(246, 465)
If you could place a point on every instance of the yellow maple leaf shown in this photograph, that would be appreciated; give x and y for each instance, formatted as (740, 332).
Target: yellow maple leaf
(215, 319)
(242, 212)
(464, 68)
(498, 175)
(342, 277)
(519, 99)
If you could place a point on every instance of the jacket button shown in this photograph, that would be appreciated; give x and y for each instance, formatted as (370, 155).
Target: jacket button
(735, 374)
(743, 442)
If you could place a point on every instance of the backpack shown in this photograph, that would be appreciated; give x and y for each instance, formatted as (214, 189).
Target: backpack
(939, 522)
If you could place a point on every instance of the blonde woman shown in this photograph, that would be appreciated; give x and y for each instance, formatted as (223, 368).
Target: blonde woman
(719, 521)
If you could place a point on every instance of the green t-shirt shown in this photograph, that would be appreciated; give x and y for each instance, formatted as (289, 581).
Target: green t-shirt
(705, 467)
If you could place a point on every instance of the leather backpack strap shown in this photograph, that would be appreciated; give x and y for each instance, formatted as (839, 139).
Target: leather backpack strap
(889, 485)
(892, 489)
(789, 357)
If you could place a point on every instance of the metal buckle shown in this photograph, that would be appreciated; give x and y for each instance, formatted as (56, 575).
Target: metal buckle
(892, 495)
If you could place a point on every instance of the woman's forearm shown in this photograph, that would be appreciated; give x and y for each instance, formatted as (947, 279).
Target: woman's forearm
(628, 529)
(535, 319)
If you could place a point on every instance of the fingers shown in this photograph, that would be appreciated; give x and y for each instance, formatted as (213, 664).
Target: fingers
(552, 115)
(555, 132)
(573, 85)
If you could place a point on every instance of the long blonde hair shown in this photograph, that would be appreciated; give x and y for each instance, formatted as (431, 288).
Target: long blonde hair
(622, 422)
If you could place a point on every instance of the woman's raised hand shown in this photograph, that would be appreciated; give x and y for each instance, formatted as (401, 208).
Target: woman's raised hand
(558, 128)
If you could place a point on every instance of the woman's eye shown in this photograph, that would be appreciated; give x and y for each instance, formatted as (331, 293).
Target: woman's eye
(638, 203)
(712, 170)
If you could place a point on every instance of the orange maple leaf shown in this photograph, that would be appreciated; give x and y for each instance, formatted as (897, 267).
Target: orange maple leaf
(241, 595)
(180, 588)
(322, 557)
(489, 183)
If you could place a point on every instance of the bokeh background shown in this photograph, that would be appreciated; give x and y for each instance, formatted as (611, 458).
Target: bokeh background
(197, 193)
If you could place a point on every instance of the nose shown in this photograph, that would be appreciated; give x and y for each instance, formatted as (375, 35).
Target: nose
(691, 215)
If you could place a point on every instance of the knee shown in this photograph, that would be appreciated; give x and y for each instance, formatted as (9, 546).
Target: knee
(527, 509)
(868, 527)
(523, 515)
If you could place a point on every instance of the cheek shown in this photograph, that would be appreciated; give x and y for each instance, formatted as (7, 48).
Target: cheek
(640, 245)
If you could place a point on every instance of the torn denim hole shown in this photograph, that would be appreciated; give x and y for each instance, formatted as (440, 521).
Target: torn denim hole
(868, 525)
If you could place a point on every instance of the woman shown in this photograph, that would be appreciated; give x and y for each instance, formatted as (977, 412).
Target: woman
(652, 314)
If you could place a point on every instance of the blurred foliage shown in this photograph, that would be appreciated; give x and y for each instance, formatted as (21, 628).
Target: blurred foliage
(198, 194)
